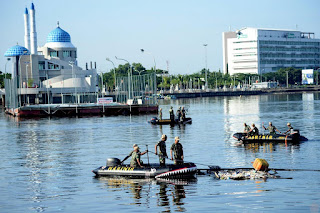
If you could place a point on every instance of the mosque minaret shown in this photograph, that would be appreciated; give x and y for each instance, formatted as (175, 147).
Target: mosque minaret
(26, 30)
(33, 32)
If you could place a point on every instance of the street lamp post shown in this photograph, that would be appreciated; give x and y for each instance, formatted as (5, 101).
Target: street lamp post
(318, 76)
(155, 70)
(115, 80)
(129, 76)
(19, 73)
(5, 68)
(71, 63)
(27, 64)
(206, 77)
(287, 79)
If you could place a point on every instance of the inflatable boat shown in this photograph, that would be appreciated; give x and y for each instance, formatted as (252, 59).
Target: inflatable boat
(115, 168)
(294, 137)
(156, 121)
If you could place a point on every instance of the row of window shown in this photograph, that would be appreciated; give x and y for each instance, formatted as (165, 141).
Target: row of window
(290, 43)
(292, 55)
(247, 48)
(65, 53)
(283, 49)
(51, 66)
(246, 54)
(241, 42)
(289, 62)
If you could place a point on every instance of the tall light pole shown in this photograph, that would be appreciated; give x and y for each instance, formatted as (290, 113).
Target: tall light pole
(206, 77)
(129, 76)
(19, 73)
(287, 79)
(318, 76)
(115, 80)
(5, 68)
(71, 63)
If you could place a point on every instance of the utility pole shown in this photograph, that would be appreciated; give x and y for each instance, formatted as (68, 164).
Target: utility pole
(287, 79)
(206, 77)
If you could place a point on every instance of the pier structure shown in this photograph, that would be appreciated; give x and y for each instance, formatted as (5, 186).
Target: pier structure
(47, 79)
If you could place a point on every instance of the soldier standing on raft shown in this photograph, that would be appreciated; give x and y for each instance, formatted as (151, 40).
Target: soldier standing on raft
(160, 114)
(179, 113)
(171, 114)
(177, 149)
(162, 150)
(183, 114)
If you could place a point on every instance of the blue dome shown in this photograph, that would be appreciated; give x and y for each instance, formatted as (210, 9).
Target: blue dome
(58, 35)
(17, 50)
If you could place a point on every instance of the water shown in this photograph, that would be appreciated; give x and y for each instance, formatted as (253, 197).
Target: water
(46, 163)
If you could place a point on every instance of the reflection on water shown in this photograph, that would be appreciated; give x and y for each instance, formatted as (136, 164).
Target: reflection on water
(47, 162)
(170, 193)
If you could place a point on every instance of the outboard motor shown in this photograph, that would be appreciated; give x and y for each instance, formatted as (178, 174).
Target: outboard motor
(113, 162)
(154, 120)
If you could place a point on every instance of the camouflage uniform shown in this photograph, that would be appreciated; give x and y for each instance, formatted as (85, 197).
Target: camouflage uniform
(135, 157)
(247, 128)
(178, 152)
(255, 131)
(162, 152)
(272, 130)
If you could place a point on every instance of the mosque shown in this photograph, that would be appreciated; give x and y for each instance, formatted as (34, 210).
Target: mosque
(49, 74)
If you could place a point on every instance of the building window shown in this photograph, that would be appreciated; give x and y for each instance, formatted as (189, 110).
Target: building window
(42, 65)
(52, 66)
(67, 54)
(53, 53)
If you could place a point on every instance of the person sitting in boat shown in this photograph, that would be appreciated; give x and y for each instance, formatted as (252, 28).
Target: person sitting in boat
(272, 129)
(130, 154)
(171, 114)
(254, 131)
(162, 150)
(290, 130)
(160, 114)
(177, 149)
(136, 158)
(247, 128)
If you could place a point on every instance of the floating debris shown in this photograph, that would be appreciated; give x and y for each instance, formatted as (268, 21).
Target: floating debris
(243, 174)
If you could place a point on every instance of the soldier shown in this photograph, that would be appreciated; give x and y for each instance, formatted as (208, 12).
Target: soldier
(290, 130)
(135, 158)
(160, 114)
(272, 129)
(162, 150)
(130, 154)
(246, 128)
(171, 114)
(179, 113)
(254, 130)
(183, 114)
(177, 149)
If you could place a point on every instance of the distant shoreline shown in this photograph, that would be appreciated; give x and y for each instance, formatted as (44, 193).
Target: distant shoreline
(199, 94)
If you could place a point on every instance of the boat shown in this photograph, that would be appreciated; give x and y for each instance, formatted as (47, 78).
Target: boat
(294, 137)
(157, 121)
(172, 171)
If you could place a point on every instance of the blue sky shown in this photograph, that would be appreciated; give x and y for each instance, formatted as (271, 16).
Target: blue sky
(169, 30)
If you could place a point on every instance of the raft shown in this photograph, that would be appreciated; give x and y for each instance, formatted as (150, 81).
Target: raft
(156, 121)
(295, 137)
(114, 168)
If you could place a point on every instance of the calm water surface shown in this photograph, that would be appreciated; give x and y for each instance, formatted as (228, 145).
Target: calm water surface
(46, 163)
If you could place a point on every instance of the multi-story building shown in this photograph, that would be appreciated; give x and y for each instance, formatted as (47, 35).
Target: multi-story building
(257, 51)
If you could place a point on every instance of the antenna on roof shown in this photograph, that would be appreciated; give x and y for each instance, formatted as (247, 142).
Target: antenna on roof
(57, 23)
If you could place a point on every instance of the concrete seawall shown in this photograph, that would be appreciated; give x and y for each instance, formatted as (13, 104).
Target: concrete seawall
(242, 92)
